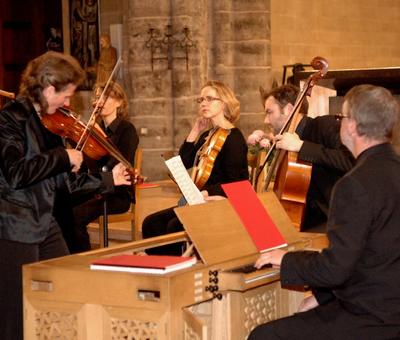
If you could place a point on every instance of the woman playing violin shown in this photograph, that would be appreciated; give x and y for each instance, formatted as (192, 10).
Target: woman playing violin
(113, 112)
(218, 111)
(34, 165)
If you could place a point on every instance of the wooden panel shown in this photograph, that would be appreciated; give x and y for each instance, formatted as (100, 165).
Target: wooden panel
(219, 235)
(216, 231)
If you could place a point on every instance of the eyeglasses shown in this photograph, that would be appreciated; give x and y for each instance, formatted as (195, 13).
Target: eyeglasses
(208, 99)
(340, 116)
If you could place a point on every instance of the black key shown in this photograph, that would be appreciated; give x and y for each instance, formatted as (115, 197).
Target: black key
(248, 268)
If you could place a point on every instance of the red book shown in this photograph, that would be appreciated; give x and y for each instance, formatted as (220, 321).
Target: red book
(260, 226)
(150, 264)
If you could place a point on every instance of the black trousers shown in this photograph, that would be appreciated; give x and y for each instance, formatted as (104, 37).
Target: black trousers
(327, 322)
(161, 223)
(76, 234)
(12, 256)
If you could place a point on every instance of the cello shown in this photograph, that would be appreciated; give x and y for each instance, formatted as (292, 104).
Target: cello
(292, 176)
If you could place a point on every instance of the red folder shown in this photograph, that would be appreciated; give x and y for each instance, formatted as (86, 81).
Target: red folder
(254, 216)
(151, 264)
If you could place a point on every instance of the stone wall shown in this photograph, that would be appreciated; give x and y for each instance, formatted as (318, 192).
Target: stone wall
(244, 43)
(232, 44)
(350, 34)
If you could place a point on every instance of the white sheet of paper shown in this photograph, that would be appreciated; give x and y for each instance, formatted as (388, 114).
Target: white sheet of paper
(189, 190)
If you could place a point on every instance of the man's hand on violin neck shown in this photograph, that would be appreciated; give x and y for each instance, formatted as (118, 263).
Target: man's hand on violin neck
(121, 175)
(75, 159)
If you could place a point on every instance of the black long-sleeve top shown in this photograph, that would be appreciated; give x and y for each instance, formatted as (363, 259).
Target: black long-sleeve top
(122, 134)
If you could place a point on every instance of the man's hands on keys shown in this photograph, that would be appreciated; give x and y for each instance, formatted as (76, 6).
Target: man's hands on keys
(273, 257)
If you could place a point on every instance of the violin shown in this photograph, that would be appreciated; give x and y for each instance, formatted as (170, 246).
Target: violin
(65, 123)
(292, 177)
(207, 155)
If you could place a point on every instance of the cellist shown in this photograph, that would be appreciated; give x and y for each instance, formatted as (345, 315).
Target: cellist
(317, 141)
(33, 165)
(218, 111)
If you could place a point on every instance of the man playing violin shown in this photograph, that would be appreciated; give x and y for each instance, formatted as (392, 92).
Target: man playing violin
(34, 165)
(317, 141)
(359, 269)
(218, 108)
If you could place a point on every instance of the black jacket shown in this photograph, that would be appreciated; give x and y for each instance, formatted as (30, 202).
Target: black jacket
(33, 166)
(330, 161)
(122, 134)
(362, 263)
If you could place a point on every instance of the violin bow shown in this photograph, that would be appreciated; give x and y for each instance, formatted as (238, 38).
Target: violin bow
(92, 119)
(6, 94)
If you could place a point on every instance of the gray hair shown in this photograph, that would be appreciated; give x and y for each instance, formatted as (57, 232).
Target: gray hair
(375, 110)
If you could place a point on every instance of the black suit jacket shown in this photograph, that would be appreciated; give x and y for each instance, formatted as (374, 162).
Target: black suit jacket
(330, 161)
(33, 166)
(362, 263)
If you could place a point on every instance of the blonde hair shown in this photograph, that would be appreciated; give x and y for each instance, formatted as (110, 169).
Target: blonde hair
(115, 90)
(232, 105)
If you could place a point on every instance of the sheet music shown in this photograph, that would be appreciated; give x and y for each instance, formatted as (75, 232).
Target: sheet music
(189, 190)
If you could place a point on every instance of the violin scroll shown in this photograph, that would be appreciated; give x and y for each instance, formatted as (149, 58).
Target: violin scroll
(7, 94)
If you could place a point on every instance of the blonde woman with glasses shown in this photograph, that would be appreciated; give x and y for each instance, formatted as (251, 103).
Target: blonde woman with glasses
(218, 110)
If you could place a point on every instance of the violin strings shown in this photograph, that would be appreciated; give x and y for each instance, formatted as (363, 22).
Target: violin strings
(92, 118)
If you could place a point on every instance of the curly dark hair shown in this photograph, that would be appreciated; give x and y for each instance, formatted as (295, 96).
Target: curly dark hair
(284, 95)
(49, 69)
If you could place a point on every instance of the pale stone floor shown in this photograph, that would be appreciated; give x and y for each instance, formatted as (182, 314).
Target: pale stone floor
(119, 232)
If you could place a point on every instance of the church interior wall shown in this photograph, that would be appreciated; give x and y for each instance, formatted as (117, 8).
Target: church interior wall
(243, 43)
